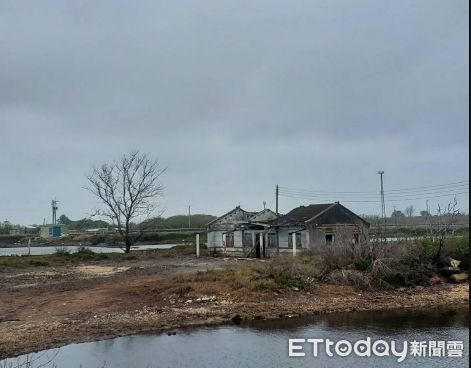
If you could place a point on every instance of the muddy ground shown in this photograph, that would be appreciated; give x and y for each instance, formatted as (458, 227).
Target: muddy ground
(43, 307)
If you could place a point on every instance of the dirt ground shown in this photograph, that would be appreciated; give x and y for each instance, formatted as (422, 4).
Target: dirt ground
(44, 307)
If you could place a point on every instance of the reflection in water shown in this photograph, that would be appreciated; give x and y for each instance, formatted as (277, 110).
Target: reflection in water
(40, 251)
(383, 321)
(265, 343)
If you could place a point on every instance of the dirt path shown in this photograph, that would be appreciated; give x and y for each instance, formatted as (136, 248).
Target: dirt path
(41, 309)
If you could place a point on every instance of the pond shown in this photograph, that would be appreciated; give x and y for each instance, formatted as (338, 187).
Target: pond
(265, 343)
(37, 251)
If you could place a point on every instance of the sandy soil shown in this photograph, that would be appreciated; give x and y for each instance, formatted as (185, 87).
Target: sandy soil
(50, 307)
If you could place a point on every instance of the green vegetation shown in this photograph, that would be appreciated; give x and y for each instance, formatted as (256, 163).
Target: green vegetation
(83, 224)
(60, 258)
(173, 222)
(456, 247)
(147, 237)
(281, 273)
(362, 264)
(5, 229)
(177, 222)
(86, 255)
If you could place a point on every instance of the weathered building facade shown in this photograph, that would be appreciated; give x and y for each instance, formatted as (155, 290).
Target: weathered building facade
(317, 225)
(239, 233)
(52, 230)
(261, 234)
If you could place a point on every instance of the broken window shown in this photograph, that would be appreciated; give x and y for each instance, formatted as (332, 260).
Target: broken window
(229, 240)
(329, 238)
(356, 238)
(271, 239)
(248, 240)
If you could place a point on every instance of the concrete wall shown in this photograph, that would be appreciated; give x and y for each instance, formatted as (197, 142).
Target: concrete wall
(342, 234)
(215, 242)
(46, 231)
(238, 239)
(284, 234)
(215, 239)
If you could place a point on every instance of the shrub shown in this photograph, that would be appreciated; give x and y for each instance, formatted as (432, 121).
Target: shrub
(393, 279)
(362, 264)
(264, 284)
(85, 250)
(360, 280)
(403, 273)
(38, 263)
(97, 239)
(286, 280)
(62, 251)
(455, 247)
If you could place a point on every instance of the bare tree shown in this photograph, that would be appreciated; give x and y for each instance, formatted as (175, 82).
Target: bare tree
(410, 211)
(128, 189)
(446, 219)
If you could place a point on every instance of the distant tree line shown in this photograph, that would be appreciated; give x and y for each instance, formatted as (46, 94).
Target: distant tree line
(82, 224)
(177, 222)
(172, 222)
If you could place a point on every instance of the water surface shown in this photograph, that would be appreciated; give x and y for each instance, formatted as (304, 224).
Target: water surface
(38, 251)
(265, 343)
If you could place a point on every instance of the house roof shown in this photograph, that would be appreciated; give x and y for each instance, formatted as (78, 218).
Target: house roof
(248, 216)
(302, 215)
(255, 216)
(227, 213)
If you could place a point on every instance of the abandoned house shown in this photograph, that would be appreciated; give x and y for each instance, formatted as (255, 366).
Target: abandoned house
(260, 234)
(238, 232)
(317, 225)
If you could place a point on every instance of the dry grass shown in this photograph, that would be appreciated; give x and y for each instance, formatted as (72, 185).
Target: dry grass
(250, 278)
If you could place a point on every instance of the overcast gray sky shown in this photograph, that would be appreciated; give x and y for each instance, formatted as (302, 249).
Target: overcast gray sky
(233, 97)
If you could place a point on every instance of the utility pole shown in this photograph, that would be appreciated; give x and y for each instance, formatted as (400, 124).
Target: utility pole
(189, 216)
(383, 206)
(276, 199)
(276, 229)
(54, 211)
(429, 217)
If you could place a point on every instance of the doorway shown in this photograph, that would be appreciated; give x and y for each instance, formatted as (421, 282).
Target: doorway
(258, 252)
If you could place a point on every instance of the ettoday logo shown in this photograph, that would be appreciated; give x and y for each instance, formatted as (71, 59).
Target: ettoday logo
(380, 348)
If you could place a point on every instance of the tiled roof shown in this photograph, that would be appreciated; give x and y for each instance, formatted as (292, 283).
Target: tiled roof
(300, 215)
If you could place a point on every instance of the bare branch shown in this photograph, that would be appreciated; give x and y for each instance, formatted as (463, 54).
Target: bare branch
(128, 189)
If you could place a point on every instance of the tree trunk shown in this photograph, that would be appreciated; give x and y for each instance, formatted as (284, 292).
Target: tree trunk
(127, 238)
(127, 246)
(439, 252)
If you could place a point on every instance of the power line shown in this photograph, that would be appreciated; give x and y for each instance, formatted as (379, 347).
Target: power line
(368, 200)
(390, 196)
(375, 192)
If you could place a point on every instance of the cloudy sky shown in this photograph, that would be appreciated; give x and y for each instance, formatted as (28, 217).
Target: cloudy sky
(234, 97)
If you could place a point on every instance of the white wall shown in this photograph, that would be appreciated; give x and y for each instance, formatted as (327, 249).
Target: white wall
(237, 238)
(283, 234)
(215, 239)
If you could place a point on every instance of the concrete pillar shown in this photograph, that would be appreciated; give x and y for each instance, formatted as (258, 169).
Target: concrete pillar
(262, 244)
(197, 245)
(294, 243)
(308, 246)
(224, 240)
